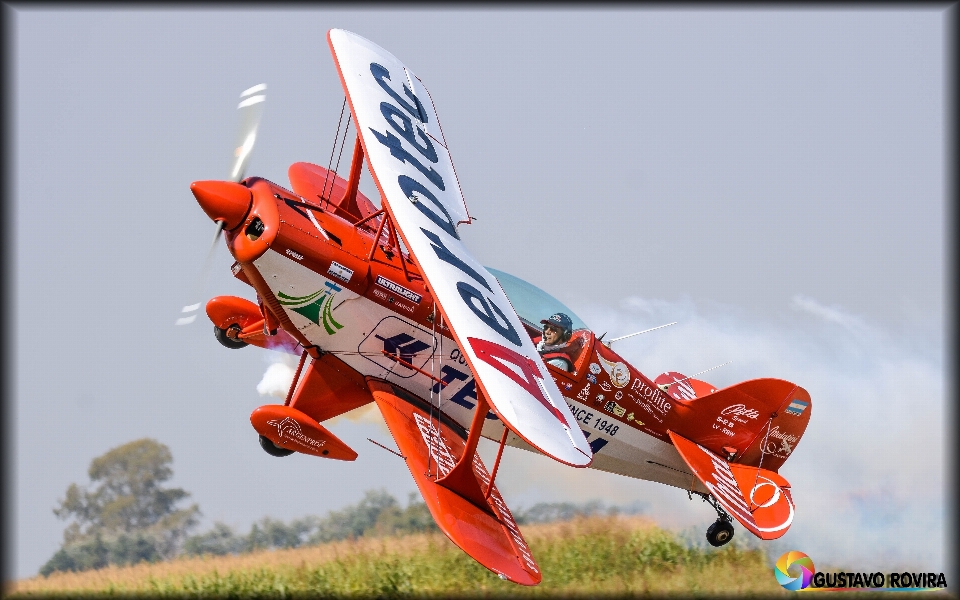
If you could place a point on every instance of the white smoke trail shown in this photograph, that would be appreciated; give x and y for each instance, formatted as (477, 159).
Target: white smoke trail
(868, 475)
(278, 377)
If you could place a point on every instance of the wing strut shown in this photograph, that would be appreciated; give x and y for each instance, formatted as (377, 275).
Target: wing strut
(496, 463)
(296, 378)
(391, 238)
(461, 479)
(349, 200)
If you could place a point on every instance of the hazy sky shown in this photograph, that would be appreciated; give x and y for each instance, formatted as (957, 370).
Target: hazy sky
(772, 179)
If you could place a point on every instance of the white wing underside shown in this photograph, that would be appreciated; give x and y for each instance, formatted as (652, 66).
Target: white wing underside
(409, 161)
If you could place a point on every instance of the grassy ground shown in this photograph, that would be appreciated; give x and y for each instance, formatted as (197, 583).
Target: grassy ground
(586, 557)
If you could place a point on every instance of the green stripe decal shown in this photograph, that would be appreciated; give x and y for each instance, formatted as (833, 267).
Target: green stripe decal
(317, 307)
(291, 300)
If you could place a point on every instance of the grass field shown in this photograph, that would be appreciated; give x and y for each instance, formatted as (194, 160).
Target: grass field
(584, 557)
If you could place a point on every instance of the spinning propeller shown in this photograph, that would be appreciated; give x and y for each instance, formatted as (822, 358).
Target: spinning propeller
(227, 202)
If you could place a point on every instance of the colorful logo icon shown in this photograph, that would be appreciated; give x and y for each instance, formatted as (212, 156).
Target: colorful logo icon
(316, 306)
(782, 570)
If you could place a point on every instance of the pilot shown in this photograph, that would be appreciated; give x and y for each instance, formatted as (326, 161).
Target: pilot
(553, 346)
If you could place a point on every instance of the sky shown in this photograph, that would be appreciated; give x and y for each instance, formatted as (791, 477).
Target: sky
(772, 180)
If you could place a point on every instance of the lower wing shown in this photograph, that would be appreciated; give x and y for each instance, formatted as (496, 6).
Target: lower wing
(479, 523)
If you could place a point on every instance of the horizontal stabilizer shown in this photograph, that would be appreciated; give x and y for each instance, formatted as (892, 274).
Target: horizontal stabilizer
(291, 429)
(314, 183)
(758, 498)
(432, 444)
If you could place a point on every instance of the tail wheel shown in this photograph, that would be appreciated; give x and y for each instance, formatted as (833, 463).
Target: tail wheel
(720, 533)
(272, 449)
(224, 336)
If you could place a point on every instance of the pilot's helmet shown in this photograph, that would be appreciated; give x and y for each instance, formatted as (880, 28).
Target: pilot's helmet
(560, 320)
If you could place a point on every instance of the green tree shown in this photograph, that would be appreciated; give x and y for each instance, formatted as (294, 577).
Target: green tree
(126, 516)
(219, 541)
(354, 521)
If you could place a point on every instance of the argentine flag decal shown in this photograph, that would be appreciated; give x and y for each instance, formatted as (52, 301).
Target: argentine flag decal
(797, 407)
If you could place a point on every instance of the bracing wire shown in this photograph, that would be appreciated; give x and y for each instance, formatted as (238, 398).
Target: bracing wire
(433, 374)
(439, 387)
(336, 138)
(343, 142)
(763, 451)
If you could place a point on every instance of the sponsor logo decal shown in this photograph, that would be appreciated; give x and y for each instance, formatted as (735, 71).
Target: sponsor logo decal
(613, 407)
(584, 393)
(398, 289)
(393, 300)
(779, 443)
(295, 255)
(291, 429)
(414, 156)
(591, 378)
(405, 341)
(594, 368)
(340, 272)
(619, 372)
(652, 395)
(316, 307)
(740, 410)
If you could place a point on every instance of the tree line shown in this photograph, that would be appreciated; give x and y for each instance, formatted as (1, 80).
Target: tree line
(126, 516)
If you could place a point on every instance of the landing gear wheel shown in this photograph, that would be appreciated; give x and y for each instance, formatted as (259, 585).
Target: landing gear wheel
(226, 340)
(720, 533)
(272, 449)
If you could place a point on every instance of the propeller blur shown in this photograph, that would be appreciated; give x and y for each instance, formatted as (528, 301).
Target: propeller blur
(215, 197)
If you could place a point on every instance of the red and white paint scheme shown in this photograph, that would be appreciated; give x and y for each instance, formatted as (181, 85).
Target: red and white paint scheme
(387, 305)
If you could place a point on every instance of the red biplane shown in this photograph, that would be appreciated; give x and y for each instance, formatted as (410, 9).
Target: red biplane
(386, 305)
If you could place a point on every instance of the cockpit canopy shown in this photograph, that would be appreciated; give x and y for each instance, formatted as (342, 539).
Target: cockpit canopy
(531, 303)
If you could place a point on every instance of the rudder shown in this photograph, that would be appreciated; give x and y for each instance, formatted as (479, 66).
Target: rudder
(736, 421)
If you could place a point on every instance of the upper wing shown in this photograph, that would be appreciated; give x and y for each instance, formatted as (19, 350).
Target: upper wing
(411, 166)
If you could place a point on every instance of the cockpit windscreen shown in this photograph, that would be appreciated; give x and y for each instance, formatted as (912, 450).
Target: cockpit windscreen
(531, 303)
